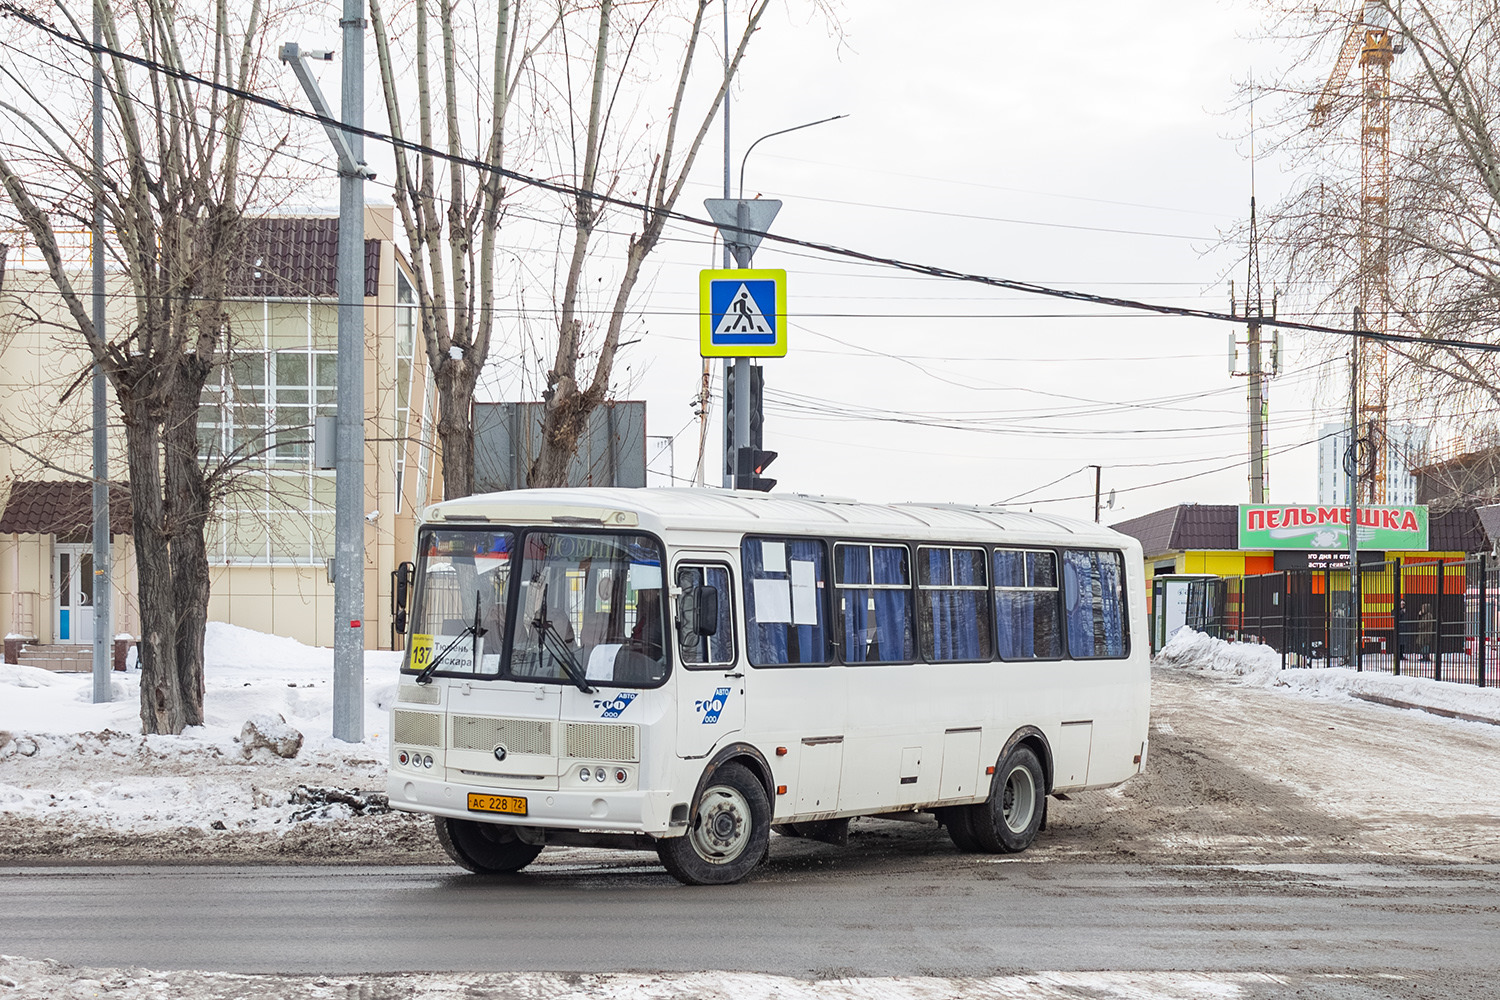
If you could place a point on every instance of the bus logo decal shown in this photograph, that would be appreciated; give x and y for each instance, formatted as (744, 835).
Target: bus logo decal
(614, 706)
(712, 707)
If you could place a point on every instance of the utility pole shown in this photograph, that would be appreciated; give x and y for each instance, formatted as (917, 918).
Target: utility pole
(349, 447)
(1257, 374)
(103, 618)
(1098, 474)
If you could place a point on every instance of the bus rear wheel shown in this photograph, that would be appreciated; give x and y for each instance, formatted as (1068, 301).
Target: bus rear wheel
(728, 835)
(484, 848)
(1009, 820)
(956, 819)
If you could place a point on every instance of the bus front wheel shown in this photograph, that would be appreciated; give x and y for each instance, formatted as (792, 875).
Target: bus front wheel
(484, 848)
(1008, 821)
(728, 835)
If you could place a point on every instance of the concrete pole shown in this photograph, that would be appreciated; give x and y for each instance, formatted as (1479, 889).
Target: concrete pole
(349, 424)
(349, 481)
(103, 620)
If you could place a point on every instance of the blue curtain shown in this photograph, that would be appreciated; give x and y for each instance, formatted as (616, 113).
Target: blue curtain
(893, 627)
(957, 621)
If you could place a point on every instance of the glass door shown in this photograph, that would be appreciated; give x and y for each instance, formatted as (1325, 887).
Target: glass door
(73, 592)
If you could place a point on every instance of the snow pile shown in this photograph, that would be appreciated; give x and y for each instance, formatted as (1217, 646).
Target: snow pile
(81, 766)
(1261, 666)
(1188, 648)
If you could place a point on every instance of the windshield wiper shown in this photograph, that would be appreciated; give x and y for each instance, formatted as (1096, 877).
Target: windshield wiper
(473, 629)
(561, 652)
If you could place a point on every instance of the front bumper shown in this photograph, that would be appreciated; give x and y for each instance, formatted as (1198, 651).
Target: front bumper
(624, 811)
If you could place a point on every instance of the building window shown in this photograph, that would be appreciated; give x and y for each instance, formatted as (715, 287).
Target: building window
(409, 395)
(257, 416)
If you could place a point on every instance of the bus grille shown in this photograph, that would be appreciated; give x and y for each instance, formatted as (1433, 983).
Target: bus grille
(600, 742)
(421, 729)
(417, 694)
(529, 736)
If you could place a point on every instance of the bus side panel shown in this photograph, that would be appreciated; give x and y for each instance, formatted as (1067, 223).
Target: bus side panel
(802, 709)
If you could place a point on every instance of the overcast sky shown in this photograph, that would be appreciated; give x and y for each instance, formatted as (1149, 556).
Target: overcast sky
(1090, 146)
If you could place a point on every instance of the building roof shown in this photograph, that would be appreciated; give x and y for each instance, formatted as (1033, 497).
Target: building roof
(295, 258)
(61, 507)
(1457, 530)
(1199, 527)
(1184, 527)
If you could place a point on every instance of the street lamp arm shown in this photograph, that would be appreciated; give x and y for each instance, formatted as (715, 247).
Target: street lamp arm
(768, 135)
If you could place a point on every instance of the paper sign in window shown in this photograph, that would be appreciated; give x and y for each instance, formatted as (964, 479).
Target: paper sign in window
(645, 576)
(773, 557)
(602, 662)
(804, 592)
(773, 602)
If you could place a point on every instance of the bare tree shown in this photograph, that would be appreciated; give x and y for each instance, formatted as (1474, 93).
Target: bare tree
(185, 158)
(1441, 223)
(452, 234)
(571, 396)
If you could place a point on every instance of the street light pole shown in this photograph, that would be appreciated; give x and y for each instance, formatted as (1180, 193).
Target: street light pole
(349, 448)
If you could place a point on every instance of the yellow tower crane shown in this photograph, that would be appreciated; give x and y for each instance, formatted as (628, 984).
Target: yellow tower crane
(1370, 40)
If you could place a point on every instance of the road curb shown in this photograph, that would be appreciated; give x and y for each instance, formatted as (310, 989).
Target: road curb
(1446, 713)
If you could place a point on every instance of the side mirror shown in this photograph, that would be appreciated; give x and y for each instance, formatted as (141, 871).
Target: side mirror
(400, 595)
(698, 613)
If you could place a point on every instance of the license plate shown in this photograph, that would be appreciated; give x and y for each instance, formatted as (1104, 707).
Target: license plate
(513, 804)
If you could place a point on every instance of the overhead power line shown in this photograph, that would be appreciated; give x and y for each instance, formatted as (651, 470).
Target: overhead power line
(574, 192)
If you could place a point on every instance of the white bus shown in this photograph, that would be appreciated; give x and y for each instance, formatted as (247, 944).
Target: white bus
(687, 670)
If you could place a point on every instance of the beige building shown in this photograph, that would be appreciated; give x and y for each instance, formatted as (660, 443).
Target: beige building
(269, 547)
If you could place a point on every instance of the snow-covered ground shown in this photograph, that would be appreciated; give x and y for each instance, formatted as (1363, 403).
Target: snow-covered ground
(1261, 665)
(86, 769)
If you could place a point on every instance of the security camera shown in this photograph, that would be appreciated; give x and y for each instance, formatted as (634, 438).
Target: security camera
(372, 516)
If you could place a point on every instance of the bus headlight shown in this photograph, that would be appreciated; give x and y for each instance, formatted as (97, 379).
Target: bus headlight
(584, 774)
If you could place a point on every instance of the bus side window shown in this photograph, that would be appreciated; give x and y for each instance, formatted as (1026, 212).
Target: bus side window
(1028, 620)
(786, 618)
(1094, 596)
(953, 594)
(707, 650)
(872, 591)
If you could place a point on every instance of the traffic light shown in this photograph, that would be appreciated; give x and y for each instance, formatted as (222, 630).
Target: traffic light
(753, 462)
(757, 417)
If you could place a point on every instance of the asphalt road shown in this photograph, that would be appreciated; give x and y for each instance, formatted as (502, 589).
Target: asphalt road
(900, 916)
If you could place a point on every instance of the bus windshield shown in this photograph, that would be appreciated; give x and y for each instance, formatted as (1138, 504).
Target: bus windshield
(588, 607)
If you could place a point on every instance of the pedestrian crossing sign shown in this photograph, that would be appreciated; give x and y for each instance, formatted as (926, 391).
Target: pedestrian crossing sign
(743, 313)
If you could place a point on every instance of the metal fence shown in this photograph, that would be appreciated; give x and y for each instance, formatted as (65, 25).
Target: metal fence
(1439, 620)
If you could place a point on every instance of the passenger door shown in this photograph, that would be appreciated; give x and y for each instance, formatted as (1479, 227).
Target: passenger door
(710, 681)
